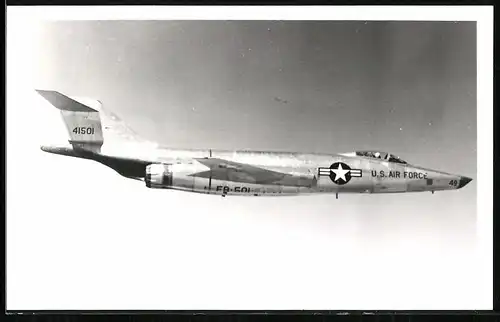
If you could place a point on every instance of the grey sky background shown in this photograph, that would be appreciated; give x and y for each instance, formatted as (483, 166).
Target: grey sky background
(361, 81)
(404, 87)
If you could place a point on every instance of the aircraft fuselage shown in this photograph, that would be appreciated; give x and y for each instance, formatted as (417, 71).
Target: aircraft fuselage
(317, 173)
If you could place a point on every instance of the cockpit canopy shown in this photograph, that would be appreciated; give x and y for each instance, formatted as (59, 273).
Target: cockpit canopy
(381, 155)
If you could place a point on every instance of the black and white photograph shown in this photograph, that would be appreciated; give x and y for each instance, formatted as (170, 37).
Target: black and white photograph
(249, 158)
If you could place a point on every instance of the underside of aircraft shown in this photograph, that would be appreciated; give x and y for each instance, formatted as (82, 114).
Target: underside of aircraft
(99, 135)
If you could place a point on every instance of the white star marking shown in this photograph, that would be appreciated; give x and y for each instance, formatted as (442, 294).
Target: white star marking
(340, 173)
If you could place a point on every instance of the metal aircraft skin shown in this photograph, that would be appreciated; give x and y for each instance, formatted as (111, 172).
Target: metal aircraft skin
(99, 135)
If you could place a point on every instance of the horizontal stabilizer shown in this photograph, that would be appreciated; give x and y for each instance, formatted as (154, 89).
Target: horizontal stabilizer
(63, 102)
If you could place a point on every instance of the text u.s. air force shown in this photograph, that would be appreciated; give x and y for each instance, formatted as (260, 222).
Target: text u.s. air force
(399, 174)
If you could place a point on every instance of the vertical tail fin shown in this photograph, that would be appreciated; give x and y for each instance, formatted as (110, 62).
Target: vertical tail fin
(89, 124)
(82, 122)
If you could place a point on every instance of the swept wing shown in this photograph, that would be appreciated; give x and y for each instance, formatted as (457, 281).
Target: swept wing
(226, 170)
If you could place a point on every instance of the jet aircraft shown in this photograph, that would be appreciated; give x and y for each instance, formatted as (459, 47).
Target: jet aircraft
(99, 135)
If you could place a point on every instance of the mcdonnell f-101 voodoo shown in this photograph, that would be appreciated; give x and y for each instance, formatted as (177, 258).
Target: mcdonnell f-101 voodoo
(99, 135)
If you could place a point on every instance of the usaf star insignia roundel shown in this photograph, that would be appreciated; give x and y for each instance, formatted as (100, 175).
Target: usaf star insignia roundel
(340, 173)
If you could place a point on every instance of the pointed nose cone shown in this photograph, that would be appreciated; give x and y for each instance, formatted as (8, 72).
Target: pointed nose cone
(463, 182)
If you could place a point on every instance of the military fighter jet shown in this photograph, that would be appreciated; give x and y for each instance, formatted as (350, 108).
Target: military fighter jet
(99, 135)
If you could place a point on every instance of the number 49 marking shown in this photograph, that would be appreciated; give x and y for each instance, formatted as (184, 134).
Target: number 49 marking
(453, 182)
(83, 130)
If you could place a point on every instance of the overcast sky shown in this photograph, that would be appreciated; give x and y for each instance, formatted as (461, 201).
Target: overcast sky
(408, 88)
